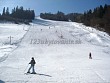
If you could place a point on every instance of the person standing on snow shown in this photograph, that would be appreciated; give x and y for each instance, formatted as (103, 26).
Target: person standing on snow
(90, 56)
(32, 62)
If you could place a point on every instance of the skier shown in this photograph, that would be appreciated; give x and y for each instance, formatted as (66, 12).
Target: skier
(32, 62)
(61, 36)
(90, 56)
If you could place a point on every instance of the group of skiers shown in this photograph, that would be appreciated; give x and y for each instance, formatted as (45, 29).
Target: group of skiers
(32, 62)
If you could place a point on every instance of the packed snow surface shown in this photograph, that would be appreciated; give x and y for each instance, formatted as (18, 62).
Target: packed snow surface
(61, 50)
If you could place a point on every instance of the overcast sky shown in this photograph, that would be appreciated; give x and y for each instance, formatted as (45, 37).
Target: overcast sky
(66, 6)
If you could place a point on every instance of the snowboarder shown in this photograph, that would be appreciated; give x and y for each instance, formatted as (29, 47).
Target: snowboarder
(32, 62)
(90, 56)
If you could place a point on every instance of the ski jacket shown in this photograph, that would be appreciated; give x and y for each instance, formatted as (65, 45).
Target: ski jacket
(32, 62)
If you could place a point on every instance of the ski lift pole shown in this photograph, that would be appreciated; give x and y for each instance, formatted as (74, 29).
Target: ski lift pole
(61, 33)
(10, 39)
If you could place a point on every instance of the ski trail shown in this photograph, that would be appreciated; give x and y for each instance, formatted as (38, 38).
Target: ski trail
(98, 75)
(56, 63)
(29, 78)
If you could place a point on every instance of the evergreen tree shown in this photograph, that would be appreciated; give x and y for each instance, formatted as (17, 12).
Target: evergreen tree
(7, 12)
(4, 13)
(105, 8)
(13, 12)
(101, 11)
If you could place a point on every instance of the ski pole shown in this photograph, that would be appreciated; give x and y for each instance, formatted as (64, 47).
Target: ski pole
(26, 68)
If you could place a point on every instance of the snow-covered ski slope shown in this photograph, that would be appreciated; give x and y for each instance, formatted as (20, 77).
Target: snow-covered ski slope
(57, 62)
(10, 37)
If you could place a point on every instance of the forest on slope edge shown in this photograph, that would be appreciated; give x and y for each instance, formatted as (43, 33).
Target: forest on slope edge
(98, 18)
(18, 15)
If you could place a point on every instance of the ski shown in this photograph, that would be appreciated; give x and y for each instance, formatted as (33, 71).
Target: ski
(29, 73)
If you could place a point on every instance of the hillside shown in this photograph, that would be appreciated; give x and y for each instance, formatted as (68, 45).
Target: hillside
(58, 62)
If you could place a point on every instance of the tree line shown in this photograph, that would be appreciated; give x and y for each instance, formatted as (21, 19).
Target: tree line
(17, 15)
(60, 16)
(98, 18)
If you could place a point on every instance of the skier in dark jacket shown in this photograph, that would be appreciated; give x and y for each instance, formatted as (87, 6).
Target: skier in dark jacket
(32, 62)
(90, 56)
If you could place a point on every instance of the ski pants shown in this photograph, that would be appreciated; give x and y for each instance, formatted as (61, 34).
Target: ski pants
(31, 67)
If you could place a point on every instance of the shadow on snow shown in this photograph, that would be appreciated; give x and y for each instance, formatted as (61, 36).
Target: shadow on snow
(42, 22)
(2, 81)
(43, 75)
(39, 74)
